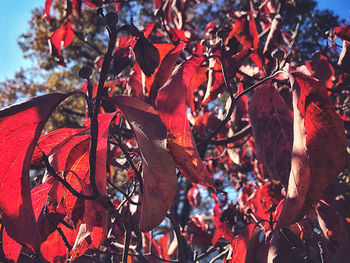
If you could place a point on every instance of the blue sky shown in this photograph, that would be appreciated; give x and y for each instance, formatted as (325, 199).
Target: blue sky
(15, 14)
(14, 17)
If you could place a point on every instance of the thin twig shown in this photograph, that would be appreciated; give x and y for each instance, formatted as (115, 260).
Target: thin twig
(58, 229)
(235, 137)
(53, 173)
(129, 160)
(81, 38)
(123, 193)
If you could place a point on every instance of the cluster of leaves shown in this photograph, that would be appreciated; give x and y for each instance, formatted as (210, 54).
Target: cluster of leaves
(174, 123)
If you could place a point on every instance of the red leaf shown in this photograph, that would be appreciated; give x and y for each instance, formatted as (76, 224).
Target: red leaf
(221, 228)
(321, 69)
(162, 73)
(246, 33)
(198, 79)
(246, 247)
(263, 199)
(121, 60)
(62, 37)
(332, 226)
(159, 179)
(342, 32)
(150, 246)
(272, 125)
(135, 82)
(10, 247)
(147, 55)
(323, 127)
(40, 197)
(47, 142)
(157, 4)
(171, 106)
(314, 166)
(197, 233)
(77, 6)
(194, 196)
(164, 245)
(20, 128)
(94, 3)
(48, 4)
(53, 249)
(117, 6)
(206, 121)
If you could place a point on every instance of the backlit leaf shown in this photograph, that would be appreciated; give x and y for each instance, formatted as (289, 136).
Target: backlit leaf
(48, 4)
(159, 178)
(20, 128)
(171, 106)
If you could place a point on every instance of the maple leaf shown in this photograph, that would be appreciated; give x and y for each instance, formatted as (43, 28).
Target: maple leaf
(171, 106)
(158, 168)
(272, 126)
(20, 128)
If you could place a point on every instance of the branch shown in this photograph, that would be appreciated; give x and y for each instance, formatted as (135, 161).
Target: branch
(81, 38)
(94, 120)
(235, 137)
(123, 193)
(129, 160)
